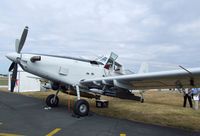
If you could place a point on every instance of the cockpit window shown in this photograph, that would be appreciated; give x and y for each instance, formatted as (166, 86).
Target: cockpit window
(111, 61)
(103, 59)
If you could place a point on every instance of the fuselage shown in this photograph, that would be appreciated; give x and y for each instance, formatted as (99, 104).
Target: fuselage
(60, 69)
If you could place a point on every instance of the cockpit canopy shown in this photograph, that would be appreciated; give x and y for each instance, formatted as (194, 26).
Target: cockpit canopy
(111, 63)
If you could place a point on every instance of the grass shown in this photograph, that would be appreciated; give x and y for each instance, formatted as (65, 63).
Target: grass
(161, 108)
(3, 81)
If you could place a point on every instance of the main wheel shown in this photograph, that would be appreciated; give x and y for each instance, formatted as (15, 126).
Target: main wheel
(81, 107)
(51, 102)
(142, 100)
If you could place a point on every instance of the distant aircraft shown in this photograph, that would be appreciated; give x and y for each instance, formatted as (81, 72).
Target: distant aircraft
(93, 78)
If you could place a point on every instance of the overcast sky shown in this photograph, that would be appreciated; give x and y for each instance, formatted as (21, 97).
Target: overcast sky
(162, 33)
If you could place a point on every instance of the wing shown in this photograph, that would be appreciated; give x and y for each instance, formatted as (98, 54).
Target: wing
(153, 80)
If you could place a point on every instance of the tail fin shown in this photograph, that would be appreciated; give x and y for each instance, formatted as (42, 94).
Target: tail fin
(144, 68)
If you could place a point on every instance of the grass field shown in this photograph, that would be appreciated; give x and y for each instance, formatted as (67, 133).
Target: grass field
(3, 81)
(162, 108)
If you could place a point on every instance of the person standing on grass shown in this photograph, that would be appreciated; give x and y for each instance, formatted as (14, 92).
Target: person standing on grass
(187, 95)
(195, 93)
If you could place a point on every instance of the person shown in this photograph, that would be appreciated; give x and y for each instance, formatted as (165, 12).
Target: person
(195, 93)
(187, 95)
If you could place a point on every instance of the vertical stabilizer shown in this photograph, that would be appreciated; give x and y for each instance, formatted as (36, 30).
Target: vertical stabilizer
(144, 68)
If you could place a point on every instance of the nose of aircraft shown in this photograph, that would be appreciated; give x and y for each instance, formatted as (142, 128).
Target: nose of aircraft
(13, 56)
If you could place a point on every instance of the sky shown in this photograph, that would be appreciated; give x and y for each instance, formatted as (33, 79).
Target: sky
(163, 34)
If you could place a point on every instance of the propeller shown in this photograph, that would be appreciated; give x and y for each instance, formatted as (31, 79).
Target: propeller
(14, 66)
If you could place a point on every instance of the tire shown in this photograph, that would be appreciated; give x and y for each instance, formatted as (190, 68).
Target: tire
(142, 100)
(81, 107)
(50, 102)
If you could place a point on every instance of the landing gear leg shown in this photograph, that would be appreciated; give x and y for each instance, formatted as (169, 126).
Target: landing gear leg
(78, 92)
(52, 100)
(56, 95)
(81, 106)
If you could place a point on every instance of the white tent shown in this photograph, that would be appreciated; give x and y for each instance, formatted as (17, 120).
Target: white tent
(25, 81)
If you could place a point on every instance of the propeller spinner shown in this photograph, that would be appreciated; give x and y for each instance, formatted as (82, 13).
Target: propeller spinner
(14, 57)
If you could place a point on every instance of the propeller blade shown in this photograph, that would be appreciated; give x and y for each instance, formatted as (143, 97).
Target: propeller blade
(11, 66)
(17, 45)
(22, 39)
(14, 77)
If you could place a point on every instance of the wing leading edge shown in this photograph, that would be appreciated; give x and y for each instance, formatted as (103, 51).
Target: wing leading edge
(152, 80)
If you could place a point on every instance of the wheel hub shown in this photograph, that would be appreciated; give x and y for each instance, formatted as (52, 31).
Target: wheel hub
(83, 108)
(52, 101)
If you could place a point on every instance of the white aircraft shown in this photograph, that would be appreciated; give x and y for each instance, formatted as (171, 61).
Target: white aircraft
(92, 78)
